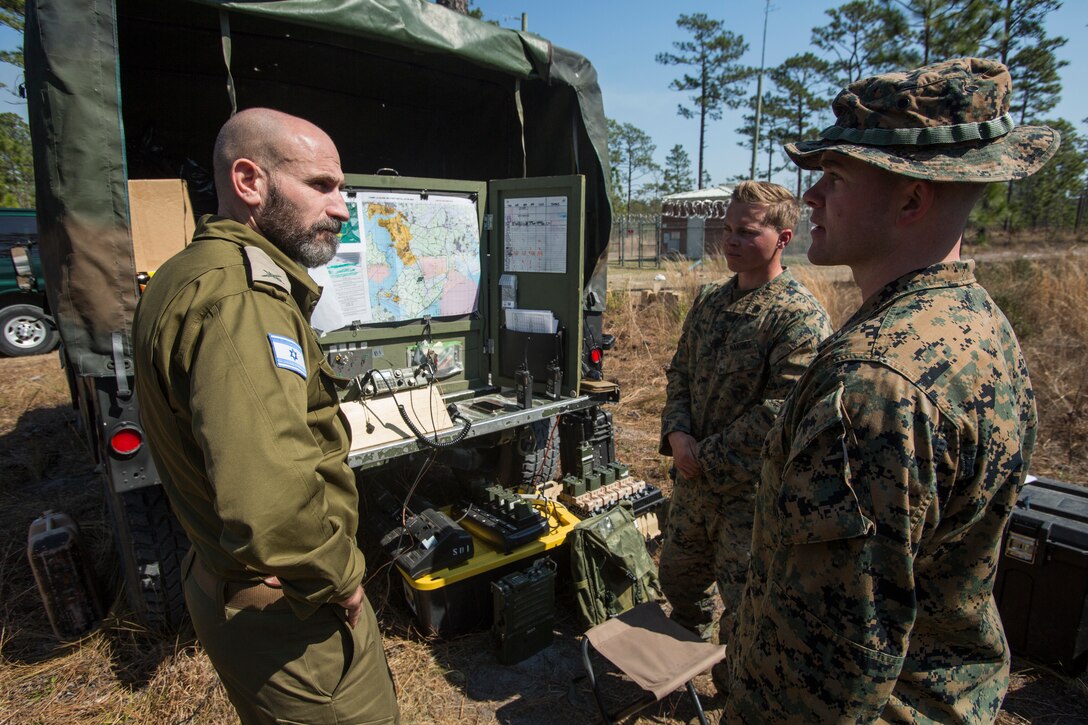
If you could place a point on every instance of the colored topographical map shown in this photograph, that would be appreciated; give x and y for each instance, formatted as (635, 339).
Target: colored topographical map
(422, 255)
(401, 257)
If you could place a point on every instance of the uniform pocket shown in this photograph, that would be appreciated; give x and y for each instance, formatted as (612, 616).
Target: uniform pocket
(739, 373)
(817, 501)
(349, 644)
(329, 661)
(739, 355)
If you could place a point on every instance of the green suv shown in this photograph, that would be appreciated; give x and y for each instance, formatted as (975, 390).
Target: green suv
(26, 328)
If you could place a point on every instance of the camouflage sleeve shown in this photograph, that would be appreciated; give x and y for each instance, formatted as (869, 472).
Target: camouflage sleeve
(676, 415)
(857, 488)
(250, 419)
(734, 453)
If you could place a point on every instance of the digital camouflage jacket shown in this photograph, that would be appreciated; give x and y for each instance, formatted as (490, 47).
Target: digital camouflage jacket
(887, 483)
(240, 408)
(733, 366)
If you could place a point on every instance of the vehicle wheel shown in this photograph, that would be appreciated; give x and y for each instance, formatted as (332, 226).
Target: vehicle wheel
(150, 544)
(530, 459)
(24, 330)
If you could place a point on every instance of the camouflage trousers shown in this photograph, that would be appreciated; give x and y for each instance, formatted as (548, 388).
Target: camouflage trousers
(707, 546)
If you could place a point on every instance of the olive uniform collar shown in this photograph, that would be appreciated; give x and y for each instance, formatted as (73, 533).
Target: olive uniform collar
(303, 287)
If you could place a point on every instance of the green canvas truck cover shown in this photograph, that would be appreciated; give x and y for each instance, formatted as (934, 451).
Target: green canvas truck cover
(389, 79)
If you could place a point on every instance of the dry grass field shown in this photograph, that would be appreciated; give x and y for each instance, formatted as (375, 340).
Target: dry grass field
(120, 673)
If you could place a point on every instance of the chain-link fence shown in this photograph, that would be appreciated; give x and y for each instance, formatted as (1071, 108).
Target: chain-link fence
(642, 240)
(636, 240)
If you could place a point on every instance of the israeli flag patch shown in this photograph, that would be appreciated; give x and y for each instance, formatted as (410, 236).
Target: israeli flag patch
(288, 354)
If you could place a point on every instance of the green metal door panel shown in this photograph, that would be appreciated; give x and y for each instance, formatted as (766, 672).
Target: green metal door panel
(537, 235)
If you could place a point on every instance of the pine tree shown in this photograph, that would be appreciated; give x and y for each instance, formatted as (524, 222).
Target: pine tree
(462, 6)
(1048, 199)
(863, 38)
(944, 29)
(13, 15)
(1082, 197)
(772, 134)
(16, 158)
(676, 176)
(1018, 38)
(16, 162)
(719, 79)
(631, 152)
(798, 83)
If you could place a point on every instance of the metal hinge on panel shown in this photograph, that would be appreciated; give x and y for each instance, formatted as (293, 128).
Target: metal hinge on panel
(489, 221)
(489, 347)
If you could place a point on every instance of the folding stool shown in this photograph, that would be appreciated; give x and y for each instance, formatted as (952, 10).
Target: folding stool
(655, 652)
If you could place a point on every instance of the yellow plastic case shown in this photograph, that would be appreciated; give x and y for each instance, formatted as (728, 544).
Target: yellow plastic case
(458, 599)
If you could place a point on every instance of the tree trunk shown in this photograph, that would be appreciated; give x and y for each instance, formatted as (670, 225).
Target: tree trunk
(702, 124)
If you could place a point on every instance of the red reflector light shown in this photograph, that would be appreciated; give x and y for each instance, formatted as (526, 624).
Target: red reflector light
(595, 356)
(126, 441)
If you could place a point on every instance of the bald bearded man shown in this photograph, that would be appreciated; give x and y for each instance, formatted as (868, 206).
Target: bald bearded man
(247, 434)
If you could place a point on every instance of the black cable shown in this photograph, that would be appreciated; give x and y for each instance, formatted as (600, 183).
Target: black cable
(420, 435)
(454, 415)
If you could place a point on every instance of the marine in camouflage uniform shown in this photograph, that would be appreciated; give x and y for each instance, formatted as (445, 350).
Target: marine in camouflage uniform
(739, 353)
(896, 462)
(240, 409)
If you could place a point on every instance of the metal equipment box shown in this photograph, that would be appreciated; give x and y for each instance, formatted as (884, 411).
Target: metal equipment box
(583, 433)
(524, 612)
(458, 599)
(1042, 575)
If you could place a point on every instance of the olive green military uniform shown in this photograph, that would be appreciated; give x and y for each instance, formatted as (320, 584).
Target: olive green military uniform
(738, 356)
(247, 434)
(887, 482)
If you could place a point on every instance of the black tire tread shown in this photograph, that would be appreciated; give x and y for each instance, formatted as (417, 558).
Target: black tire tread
(156, 545)
(541, 462)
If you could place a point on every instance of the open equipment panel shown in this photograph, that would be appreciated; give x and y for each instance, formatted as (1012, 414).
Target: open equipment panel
(453, 312)
(434, 354)
(412, 303)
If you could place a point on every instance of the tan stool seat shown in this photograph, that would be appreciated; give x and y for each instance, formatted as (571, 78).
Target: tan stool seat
(655, 652)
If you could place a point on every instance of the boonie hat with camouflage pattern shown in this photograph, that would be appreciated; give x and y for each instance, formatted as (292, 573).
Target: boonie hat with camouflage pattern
(944, 122)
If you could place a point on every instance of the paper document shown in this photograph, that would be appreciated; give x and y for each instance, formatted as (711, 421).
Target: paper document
(539, 321)
(345, 296)
(535, 234)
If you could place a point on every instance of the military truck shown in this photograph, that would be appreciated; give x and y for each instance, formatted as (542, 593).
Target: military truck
(497, 134)
(26, 327)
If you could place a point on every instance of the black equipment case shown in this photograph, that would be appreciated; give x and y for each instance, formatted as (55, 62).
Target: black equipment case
(1042, 574)
(524, 608)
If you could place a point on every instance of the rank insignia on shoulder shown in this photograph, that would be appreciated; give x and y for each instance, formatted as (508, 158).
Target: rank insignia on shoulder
(270, 275)
(263, 269)
(288, 354)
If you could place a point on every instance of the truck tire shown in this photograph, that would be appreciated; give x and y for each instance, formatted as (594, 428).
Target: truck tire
(26, 330)
(529, 459)
(150, 545)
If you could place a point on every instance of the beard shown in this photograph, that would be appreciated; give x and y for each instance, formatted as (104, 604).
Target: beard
(311, 246)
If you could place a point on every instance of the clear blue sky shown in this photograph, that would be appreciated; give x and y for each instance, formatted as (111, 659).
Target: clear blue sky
(621, 38)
